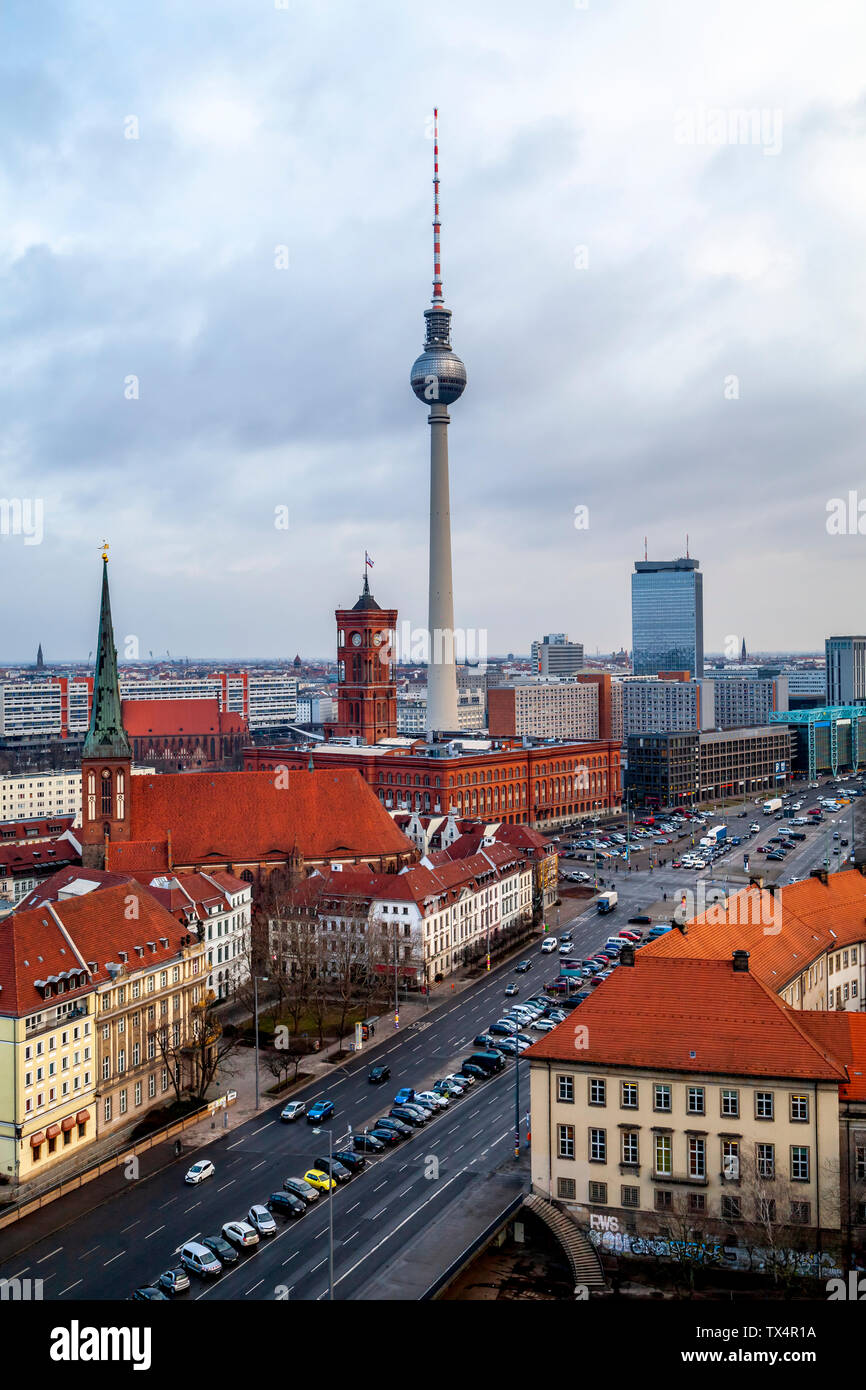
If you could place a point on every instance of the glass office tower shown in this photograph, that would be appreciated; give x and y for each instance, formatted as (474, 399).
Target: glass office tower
(667, 617)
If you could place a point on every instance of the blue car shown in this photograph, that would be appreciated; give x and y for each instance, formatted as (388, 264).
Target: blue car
(404, 1096)
(322, 1110)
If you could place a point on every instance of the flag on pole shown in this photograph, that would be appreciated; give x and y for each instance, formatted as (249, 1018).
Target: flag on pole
(367, 560)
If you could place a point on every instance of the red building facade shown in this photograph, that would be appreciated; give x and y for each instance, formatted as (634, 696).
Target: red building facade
(543, 785)
(366, 683)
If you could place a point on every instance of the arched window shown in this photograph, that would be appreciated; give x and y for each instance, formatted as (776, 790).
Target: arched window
(91, 795)
(120, 794)
(106, 792)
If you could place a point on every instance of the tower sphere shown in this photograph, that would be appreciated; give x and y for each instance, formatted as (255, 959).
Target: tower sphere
(438, 375)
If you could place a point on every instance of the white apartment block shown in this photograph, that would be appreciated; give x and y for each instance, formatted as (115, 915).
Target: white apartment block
(555, 709)
(745, 702)
(412, 713)
(650, 705)
(31, 795)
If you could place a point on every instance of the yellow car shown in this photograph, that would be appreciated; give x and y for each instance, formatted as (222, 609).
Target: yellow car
(316, 1178)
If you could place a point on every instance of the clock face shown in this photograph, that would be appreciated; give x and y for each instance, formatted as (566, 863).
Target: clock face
(378, 638)
(356, 639)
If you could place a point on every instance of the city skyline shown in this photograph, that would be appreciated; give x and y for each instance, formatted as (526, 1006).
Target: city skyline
(627, 312)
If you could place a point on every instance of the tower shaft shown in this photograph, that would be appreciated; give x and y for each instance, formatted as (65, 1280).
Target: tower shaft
(441, 670)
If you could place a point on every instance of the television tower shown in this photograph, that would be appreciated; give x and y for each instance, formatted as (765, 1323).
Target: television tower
(438, 378)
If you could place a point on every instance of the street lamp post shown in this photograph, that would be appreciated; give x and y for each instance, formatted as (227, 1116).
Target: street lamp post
(516, 1100)
(256, 1013)
(330, 1133)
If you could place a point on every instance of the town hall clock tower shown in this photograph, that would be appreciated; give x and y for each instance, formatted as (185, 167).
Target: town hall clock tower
(366, 681)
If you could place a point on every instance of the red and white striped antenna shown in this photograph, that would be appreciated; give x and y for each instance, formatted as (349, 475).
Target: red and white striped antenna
(437, 257)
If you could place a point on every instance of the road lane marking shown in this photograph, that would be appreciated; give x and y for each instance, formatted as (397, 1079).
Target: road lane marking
(348, 1238)
(379, 1244)
(68, 1287)
(115, 1257)
(258, 1165)
(291, 1257)
(259, 1130)
(319, 1265)
(354, 1208)
(381, 1184)
(255, 1286)
(50, 1253)
(168, 1203)
(234, 1146)
(155, 1233)
(192, 1208)
(88, 1252)
(226, 1184)
(130, 1226)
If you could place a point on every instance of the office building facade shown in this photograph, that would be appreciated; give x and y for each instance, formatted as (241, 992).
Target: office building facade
(667, 605)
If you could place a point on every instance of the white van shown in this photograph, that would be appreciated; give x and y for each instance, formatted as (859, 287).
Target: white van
(199, 1259)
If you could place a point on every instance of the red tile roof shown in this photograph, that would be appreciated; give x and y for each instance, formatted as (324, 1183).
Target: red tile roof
(23, 856)
(254, 817)
(33, 946)
(35, 828)
(169, 718)
(813, 917)
(690, 1015)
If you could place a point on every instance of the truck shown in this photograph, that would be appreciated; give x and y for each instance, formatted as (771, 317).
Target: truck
(774, 804)
(607, 902)
(714, 836)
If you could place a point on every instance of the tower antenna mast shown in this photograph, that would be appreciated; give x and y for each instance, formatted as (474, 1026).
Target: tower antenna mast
(437, 252)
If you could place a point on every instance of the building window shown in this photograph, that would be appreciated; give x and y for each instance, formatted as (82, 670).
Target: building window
(695, 1100)
(801, 1213)
(566, 1141)
(138, 1093)
(799, 1163)
(628, 1095)
(565, 1089)
(799, 1108)
(106, 1109)
(661, 1097)
(731, 1209)
(663, 1155)
(123, 1095)
(765, 1160)
(630, 1149)
(765, 1208)
(598, 1145)
(598, 1193)
(860, 1161)
(566, 1188)
(697, 1157)
(664, 1200)
(630, 1196)
(763, 1105)
(731, 1104)
(697, 1202)
(597, 1092)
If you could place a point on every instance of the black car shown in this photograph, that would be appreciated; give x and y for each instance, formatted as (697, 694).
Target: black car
(150, 1295)
(368, 1143)
(225, 1253)
(286, 1203)
(485, 1040)
(397, 1125)
(642, 920)
(477, 1073)
(522, 966)
(410, 1117)
(334, 1167)
(354, 1162)
(378, 1074)
(386, 1137)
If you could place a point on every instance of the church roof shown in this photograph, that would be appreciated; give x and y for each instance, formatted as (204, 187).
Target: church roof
(106, 736)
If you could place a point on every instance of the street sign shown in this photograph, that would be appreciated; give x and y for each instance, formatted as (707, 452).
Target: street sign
(746, 862)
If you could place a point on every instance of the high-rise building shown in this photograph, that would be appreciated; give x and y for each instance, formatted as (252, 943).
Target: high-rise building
(560, 658)
(438, 379)
(667, 616)
(652, 705)
(366, 686)
(846, 670)
(552, 639)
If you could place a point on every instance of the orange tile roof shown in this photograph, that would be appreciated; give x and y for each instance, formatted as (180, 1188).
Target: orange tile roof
(33, 947)
(252, 817)
(689, 1016)
(844, 1034)
(814, 917)
(169, 718)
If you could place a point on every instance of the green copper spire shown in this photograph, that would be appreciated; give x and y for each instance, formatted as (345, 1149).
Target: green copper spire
(106, 736)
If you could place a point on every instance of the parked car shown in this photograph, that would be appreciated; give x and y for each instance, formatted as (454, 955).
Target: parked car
(240, 1234)
(225, 1253)
(173, 1281)
(413, 1118)
(301, 1188)
(396, 1125)
(448, 1086)
(405, 1096)
(349, 1159)
(483, 1040)
(433, 1098)
(261, 1220)
(542, 1025)
(321, 1110)
(376, 1075)
(333, 1166)
(368, 1143)
(320, 1180)
(199, 1171)
(148, 1294)
(386, 1137)
(473, 1072)
(294, 1110)
(462, 1080)
(286, 1203)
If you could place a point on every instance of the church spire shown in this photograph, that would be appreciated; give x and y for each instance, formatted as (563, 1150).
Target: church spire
(106, 736)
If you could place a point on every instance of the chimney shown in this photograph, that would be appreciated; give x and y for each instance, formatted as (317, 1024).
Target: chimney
(741, 962)
(821, 874)
(626, 955)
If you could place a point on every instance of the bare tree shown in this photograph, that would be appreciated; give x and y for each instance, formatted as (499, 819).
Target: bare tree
(207, 1046)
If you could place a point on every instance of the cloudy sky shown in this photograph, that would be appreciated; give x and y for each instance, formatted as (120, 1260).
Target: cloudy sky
(660, 306)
